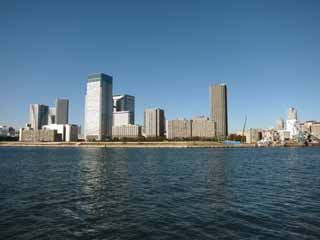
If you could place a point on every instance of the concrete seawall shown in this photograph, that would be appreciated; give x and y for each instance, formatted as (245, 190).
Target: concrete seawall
(165, 144)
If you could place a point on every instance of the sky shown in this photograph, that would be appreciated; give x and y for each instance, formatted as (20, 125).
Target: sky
(165, 53)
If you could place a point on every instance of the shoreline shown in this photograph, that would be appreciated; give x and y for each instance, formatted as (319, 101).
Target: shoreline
(166, 144)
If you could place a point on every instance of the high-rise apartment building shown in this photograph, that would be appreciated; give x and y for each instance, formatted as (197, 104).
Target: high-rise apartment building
(62, 111)
(38, 115)
(154, 122)
(98, 107)
(292, 114)
(291, 123)
(219, 108)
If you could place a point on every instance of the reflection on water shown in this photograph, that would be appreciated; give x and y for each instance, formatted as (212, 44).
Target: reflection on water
(97, 193)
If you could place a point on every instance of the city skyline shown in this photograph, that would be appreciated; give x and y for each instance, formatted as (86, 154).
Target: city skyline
(263, 62)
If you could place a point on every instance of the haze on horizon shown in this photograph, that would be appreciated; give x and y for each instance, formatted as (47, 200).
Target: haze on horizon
(165, 53)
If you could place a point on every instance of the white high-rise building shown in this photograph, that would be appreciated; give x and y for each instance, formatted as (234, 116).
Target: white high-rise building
(291, 123)
(98, 107)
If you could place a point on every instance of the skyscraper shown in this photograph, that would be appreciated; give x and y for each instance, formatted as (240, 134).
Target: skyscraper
(62, 111)
(123, 110)
(123, 103)
(291, 123)
(219, 108)
(98, 107)
(52, 115)
(154, 122)
(292, 114)
(38, 115)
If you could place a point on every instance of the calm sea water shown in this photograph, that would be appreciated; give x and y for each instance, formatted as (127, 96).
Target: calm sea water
(78, 193)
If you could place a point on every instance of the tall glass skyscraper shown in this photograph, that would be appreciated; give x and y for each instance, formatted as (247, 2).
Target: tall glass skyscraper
(98, 107)
(38, 115)
(219, 108)
(123, 110)
(62, 111)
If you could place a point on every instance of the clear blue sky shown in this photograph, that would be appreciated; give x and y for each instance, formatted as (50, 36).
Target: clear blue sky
(166, 53)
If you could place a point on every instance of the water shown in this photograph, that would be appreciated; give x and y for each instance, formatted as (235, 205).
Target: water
(79, 193)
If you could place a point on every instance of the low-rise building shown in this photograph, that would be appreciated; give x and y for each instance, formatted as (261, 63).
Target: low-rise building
(252, 136)
(68, 132)
(39, 135)
(126, 131)
(284, 135)
(315, 129)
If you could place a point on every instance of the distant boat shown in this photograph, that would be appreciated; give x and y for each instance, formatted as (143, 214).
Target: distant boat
(263, 143)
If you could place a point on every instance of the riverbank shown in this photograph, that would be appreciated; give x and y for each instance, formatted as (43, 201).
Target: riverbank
(165, 144)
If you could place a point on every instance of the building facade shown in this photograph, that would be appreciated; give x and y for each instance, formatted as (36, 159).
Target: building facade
(280, 124)
(219, 108)
(292, 121)
(179, 129)
(98, 107)
(315, 130)
(252, 136)
(123, 108)
(38, 115)
(122, 118)
(202, 127)
(39, 135)
(126, 131)
(154, 122)
(292, 114)
(52, 115)
(62, 111)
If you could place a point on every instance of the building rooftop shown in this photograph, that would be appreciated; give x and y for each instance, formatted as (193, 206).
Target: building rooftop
(99, 77)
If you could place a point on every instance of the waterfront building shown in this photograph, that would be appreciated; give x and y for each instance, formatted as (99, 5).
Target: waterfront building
(38, 135)
(122, 118)
(252, 135)
(284, 135)
(292, 121)
(98, 107)
(4, 131)
(219, 108)
(315, 129)
(202, 127)
(154, 122)
(52, 115)
(38, 115)
(280, 124)
(179, 129)
(126, 131)
(270, 135)
(62, 111)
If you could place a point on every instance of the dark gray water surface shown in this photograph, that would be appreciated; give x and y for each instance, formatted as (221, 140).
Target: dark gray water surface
(95, 193)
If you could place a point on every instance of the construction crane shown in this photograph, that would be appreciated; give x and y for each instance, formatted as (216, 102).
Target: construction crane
(244, 128)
